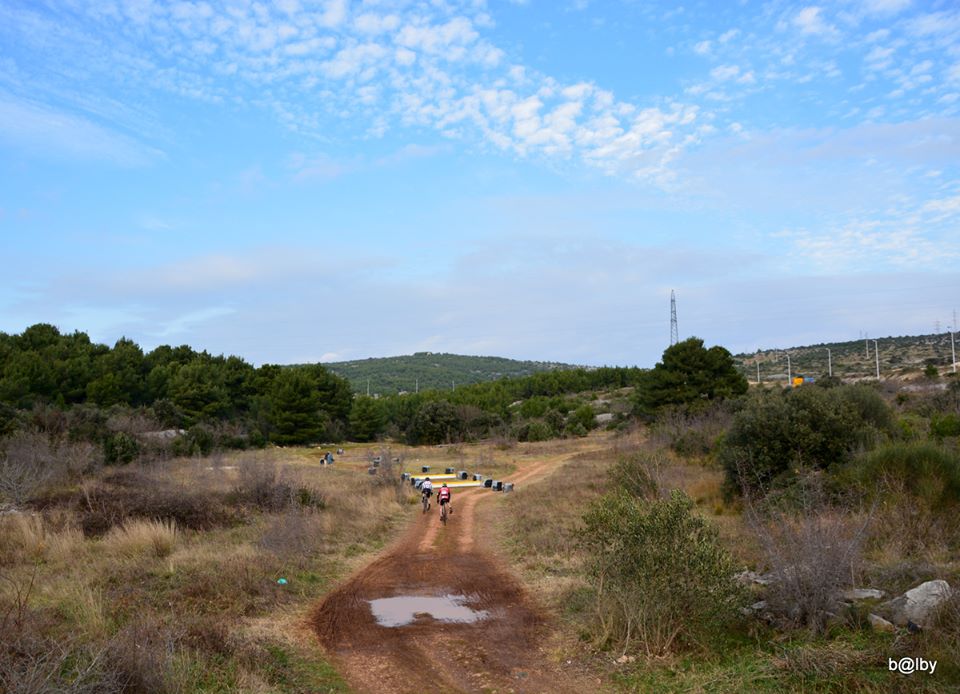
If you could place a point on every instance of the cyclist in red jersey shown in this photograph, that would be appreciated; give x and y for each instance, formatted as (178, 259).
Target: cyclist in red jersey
(445, 497)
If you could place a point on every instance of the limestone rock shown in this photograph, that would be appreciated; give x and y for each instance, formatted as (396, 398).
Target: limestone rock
(919, 604)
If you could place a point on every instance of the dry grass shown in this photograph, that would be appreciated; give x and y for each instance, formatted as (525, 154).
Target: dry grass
(83, 605)
(22, 537)
(156, 602)
(65, 546)
(155, 538)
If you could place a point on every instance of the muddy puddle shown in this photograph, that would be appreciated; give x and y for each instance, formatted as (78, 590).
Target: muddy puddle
(405, 609)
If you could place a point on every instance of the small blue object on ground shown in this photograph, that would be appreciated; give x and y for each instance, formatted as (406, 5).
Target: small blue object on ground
(282, 581)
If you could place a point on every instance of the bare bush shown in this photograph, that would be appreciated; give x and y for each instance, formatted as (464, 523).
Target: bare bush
(639, 472)
(80, 458)
(294, 534)
(814, 551)
(141, 657)
(136, 493)
(691, 433)
(28, 463)
(389, 474)
(132, 422)
(260, 482)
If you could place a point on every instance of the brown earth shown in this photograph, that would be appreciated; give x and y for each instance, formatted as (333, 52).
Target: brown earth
(505, 652)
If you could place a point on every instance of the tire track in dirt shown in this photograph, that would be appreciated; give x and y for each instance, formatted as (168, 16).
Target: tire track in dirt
(501, 652)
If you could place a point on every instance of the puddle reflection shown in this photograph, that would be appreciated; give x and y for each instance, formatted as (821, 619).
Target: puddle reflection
(404, 609)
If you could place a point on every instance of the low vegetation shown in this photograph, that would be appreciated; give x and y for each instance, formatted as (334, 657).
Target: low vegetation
(157, 579)
(775, 505)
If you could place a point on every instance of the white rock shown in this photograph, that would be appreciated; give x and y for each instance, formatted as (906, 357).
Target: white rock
(918, 605)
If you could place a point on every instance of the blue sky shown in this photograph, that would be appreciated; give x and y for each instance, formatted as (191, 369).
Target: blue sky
(306, 180)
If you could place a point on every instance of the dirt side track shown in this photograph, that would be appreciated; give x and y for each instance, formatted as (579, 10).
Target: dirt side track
(500, 653)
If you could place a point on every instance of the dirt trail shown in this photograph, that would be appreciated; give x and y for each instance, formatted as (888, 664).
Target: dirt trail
(502, 652)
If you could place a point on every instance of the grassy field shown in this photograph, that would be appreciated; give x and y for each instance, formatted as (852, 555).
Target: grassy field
(97, 595)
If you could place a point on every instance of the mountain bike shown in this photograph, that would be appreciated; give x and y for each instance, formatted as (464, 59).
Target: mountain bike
(444, 513)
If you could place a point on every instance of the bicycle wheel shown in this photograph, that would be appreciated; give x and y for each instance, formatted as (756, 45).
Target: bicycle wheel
(443, 514)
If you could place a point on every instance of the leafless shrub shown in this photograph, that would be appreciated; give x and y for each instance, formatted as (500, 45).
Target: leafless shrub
(137, 493)
(689, 433)
(141, 657)
(28, 463)
(640, 472)
(80, 458)
(814, 550)
(132, 422)
(261, 483)
(294, 534)
(389, 474)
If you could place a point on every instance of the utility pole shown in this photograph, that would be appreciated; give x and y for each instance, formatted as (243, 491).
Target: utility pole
(368, 387)
(829, 363)
(876, 353)
(418, 385)
(758, 372)
(674, 332)
(789, 372)
(866, 345)
(953, 352)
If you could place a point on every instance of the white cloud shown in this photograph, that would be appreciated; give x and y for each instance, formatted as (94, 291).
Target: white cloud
(723, 73)
(728, 35)
(26, 124)
(702, 48)
(810, 21)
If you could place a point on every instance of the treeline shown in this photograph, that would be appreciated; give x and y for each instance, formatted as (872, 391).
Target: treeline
(535, 408)
(121, 398)
(432, 371)
(44, 372)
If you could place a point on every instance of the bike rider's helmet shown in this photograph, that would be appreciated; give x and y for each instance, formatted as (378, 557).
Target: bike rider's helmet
(444, 484)
(426, 479)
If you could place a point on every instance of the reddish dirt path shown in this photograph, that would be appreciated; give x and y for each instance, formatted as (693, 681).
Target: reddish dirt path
(501, 653)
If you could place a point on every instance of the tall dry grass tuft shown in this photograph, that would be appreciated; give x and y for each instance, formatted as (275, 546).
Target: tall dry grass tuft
(142, 537)
(84, 606)
(65, 546)
(22, 536)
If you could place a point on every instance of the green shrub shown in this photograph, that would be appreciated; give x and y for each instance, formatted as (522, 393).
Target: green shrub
(663, 580)
(584, 416)
(921, 469)
(779, 432)
(538, 431)
(120, 448)
(945, 425)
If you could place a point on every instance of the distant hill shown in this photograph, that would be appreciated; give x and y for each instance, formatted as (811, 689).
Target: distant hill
(901, 356)
(390, 375)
